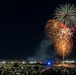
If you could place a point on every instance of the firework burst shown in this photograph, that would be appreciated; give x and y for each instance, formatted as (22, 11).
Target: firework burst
(60, 35)
(66, 14)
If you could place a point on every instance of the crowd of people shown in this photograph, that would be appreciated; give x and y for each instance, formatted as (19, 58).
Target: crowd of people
(21, 70)
(36, 70)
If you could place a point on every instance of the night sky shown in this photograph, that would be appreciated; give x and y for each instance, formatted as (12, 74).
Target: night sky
(22, 24)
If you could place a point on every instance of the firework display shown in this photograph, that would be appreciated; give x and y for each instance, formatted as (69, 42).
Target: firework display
(60, 30)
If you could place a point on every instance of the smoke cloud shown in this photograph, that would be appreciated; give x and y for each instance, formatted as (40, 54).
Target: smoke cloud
(43, 52)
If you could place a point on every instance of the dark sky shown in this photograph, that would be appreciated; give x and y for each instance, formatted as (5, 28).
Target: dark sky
(22, 25)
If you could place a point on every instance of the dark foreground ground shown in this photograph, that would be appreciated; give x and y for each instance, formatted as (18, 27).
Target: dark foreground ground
(21, 69)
